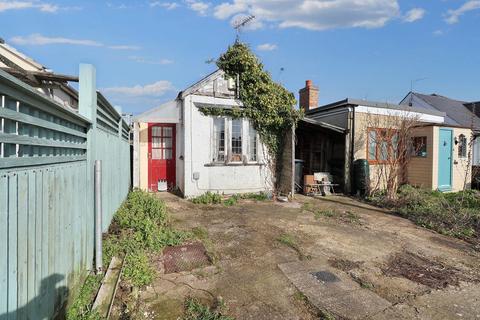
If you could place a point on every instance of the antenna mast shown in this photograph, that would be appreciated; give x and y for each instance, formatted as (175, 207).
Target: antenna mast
(240, 23)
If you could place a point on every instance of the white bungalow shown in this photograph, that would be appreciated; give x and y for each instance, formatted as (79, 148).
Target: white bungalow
(178, 147)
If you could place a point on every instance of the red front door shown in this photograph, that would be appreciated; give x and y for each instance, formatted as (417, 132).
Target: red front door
(161, 155)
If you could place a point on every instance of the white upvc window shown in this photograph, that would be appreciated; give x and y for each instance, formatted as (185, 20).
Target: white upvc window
(219, 140)
(253, 143)
(234, 141)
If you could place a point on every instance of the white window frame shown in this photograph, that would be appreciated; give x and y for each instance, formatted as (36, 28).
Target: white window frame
(215, 141)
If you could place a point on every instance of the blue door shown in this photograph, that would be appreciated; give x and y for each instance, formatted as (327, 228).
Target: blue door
(445, 160)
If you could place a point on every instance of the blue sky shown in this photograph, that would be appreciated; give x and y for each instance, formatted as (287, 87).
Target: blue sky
(145, 51)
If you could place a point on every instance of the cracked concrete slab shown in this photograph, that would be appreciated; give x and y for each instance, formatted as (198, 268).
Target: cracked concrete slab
(342, 296)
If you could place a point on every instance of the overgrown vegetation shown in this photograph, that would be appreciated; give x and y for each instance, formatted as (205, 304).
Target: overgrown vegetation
(345, 215)
(269, 106)
(210, 198)
(81, 308)
(140, 228)
(194, 310)
(454, 214)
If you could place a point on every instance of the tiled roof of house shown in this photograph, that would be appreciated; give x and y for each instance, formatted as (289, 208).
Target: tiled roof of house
(457, 111)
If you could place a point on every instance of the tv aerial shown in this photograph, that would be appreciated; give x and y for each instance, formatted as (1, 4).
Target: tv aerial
(239, 23)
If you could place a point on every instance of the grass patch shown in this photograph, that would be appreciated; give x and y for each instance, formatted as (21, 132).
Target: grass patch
(210, 198)
(324, 213)
(202, 234)
(289, 241)
(194, 310)
(455, 214)
(140, 228)
(81, 308)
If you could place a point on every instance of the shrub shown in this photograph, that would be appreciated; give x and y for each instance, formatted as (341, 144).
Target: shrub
(81, 308)
(208, 198)
(456, 214)
(139, 228)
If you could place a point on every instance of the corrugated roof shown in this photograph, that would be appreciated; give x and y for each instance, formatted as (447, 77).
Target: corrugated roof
(455, 110)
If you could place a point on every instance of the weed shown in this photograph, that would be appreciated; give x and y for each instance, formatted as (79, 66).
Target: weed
(307, 206)
(137, 269)
(299, 296)
(455, 214)
(324, 213)
(287, 240)
(200, 233)
(81, 308)
(325, 315)
(140, 227)
(352, 217)
(233, 200)
(208, 198)
(194, 310)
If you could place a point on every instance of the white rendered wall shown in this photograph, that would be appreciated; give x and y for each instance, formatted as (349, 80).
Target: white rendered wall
(227, 179)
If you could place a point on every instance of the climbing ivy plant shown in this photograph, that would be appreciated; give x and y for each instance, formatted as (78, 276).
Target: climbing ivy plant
(268, 105)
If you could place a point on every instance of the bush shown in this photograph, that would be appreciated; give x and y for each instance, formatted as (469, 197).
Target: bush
(456, 214)
(81, 308)
(208, 198)
(140, 227)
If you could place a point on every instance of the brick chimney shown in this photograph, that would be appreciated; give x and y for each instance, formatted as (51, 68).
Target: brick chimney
(309, 96)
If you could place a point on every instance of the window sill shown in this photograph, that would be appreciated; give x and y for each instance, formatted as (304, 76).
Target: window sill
(234, 164)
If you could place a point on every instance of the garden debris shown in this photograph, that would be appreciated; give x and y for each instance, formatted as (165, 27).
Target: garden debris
(106, 294)
(344, 264)
(422, 270)
(185, 257)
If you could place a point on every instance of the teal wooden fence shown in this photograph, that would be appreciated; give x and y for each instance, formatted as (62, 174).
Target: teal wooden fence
(47, 213)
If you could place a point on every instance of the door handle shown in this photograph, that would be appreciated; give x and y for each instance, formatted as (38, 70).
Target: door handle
(149, 155)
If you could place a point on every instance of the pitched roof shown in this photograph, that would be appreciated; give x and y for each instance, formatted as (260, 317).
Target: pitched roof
(456, 110)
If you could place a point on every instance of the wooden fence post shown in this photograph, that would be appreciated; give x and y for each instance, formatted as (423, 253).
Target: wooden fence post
(87, 107)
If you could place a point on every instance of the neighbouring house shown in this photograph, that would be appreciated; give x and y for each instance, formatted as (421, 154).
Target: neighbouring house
(333, 136)
(458, 113)
(176, 146)
(50, 84)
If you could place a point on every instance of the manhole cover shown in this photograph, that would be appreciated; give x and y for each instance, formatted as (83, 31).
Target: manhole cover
(185, 257)
(325, 276)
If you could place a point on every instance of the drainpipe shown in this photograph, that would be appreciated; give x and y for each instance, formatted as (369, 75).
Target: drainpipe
(352, 148)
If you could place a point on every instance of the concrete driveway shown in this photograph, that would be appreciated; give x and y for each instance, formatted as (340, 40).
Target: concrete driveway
(317, 258)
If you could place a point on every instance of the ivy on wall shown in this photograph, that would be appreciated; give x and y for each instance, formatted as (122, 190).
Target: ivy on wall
(268, 105)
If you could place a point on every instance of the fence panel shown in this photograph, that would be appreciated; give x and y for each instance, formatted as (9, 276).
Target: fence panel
(46, 218)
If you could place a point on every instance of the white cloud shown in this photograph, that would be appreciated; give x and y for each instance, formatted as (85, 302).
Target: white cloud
(124, 47)
(199, 6)
(414, 15)
(438, 33)
(147, 61)
(19, 5)
(453, 16)
(155, 89)
(37, 39)
(166, 5)
(267, 47)
(314, 14)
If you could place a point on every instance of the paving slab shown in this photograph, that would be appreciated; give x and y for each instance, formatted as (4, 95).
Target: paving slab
(332, 290)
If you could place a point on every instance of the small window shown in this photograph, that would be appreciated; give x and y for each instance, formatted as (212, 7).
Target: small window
(419, 147)
(382, 145)
(252, 152)
(237, 140)
(462, 146)
(219, 134)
